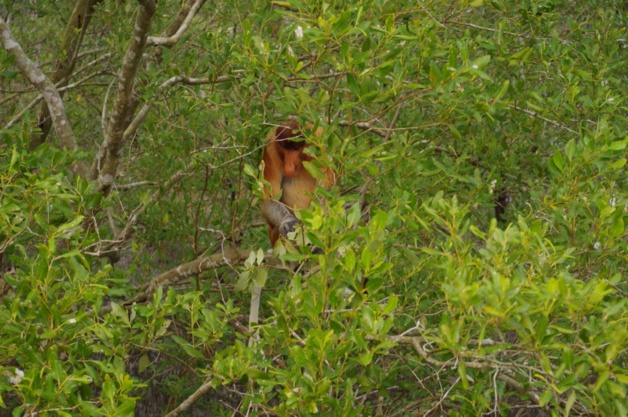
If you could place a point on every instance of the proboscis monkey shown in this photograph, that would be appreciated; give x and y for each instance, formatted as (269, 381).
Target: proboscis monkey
(291, 185)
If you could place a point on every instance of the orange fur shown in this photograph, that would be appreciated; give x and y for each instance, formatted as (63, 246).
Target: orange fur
(291, 185)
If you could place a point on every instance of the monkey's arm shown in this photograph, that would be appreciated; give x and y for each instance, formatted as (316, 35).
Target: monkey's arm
(279, 216)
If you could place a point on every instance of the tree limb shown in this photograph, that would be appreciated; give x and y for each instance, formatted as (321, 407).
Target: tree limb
(416, 343)
(141, 115)
(174, 38)
(37, 99)
(53, 100)
(111, 249)
(72, 39)
(229, 256)
(107, 161)
(545, 119)
(196, 395)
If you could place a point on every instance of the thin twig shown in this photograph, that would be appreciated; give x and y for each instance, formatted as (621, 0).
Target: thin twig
(40, 97)
(545, 119)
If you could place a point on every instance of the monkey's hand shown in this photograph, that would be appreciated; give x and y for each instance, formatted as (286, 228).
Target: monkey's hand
(279, 216)
(287, 226)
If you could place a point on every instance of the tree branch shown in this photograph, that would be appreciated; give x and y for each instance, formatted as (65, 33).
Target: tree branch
(416, 343)
(545, 119)
(72, 39)
(110, 250)
(36, 77)
(229, 256)
(173, 39)
(37, 99)
(141, 115)
(105, 167)
(196, 395)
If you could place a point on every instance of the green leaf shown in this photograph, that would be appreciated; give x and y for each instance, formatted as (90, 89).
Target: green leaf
(366, 258)
(481, 62)
(259, 256)
(243, 282)
(349, 260)
(502, 90)
(393, 300)
(619, 163)
(121, 313)
(521, 56)
(261, 276)
(353, 85)
(143, 363)
(618, 227)
(558, 160)
(366, 358)
(618, 145)
(570, 149)
(569, 403)
(541, 326)
(379, 220)
(353, 215)
(462, 371)
(313, 170)
(250, 171)
(192, 351)
(250, 260)
(545, 363)
(562, 330)
(8, 74)
(315, 240)
(545, 398)
(454, 132)
(601, 380)
(606, 212)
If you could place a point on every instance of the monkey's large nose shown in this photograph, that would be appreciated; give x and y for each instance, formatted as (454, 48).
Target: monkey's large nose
(290, 169)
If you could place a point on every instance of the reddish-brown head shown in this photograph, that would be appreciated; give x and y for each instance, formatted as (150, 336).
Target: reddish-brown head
(290, 151)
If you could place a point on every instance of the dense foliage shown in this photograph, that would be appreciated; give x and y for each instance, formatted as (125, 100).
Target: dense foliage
(474, 253)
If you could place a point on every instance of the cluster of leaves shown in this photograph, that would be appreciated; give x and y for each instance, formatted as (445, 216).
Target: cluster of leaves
(48, 329)
(487, 139)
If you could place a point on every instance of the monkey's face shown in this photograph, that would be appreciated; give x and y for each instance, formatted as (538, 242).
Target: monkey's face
(292, 162)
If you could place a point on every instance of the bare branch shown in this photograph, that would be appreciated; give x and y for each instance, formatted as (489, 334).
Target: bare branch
(201, 264)
(169, 41)
(196, 395)
(134, 185)
(111, 249)
(37, 99)
(483, 363)
(36, 77)
(141, 115)
(545, 119)
(107, 160)
(229, 256)
(394, 120)
(68, 54)
(16, 93)
(518, 35)
(365, 126)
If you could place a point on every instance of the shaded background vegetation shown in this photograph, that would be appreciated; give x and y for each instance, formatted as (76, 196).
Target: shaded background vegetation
(485, 142)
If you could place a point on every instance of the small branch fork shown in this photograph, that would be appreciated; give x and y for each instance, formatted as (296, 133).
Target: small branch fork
(171, 40)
